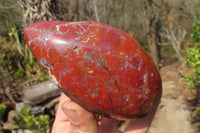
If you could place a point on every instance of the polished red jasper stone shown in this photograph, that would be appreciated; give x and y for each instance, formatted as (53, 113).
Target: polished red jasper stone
(98, 66)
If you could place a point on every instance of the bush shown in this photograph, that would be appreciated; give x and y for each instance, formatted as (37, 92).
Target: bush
(193, 59)
(37, 124)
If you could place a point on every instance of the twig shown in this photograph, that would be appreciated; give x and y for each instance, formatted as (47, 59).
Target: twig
(52, 102)
(7, 92)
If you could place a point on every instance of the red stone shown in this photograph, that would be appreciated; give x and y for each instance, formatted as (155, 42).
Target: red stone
(98, 66)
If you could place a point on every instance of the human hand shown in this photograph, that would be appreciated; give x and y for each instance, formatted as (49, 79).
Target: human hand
(72, 118)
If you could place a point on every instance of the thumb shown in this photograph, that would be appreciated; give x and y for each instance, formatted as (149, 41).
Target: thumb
(82, 121)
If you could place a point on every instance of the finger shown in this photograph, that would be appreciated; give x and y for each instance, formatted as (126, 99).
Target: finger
(82, 121)
(61, 123)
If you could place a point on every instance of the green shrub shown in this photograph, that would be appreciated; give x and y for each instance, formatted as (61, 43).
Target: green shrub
(34, 123)
(19, 73)
(193, 59)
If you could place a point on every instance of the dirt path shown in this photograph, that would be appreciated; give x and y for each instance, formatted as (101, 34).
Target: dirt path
(173, 115)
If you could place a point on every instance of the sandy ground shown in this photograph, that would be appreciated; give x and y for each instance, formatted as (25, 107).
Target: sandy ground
(172, 115)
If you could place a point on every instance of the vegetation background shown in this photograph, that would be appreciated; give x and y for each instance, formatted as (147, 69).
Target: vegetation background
(168, 29)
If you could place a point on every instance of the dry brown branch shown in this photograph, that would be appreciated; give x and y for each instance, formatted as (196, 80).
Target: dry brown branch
(175, 37)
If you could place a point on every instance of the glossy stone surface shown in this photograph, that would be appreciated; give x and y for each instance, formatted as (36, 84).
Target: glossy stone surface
(98, 66)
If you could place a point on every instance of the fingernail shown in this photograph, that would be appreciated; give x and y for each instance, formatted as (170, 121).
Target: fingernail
(72, 116)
